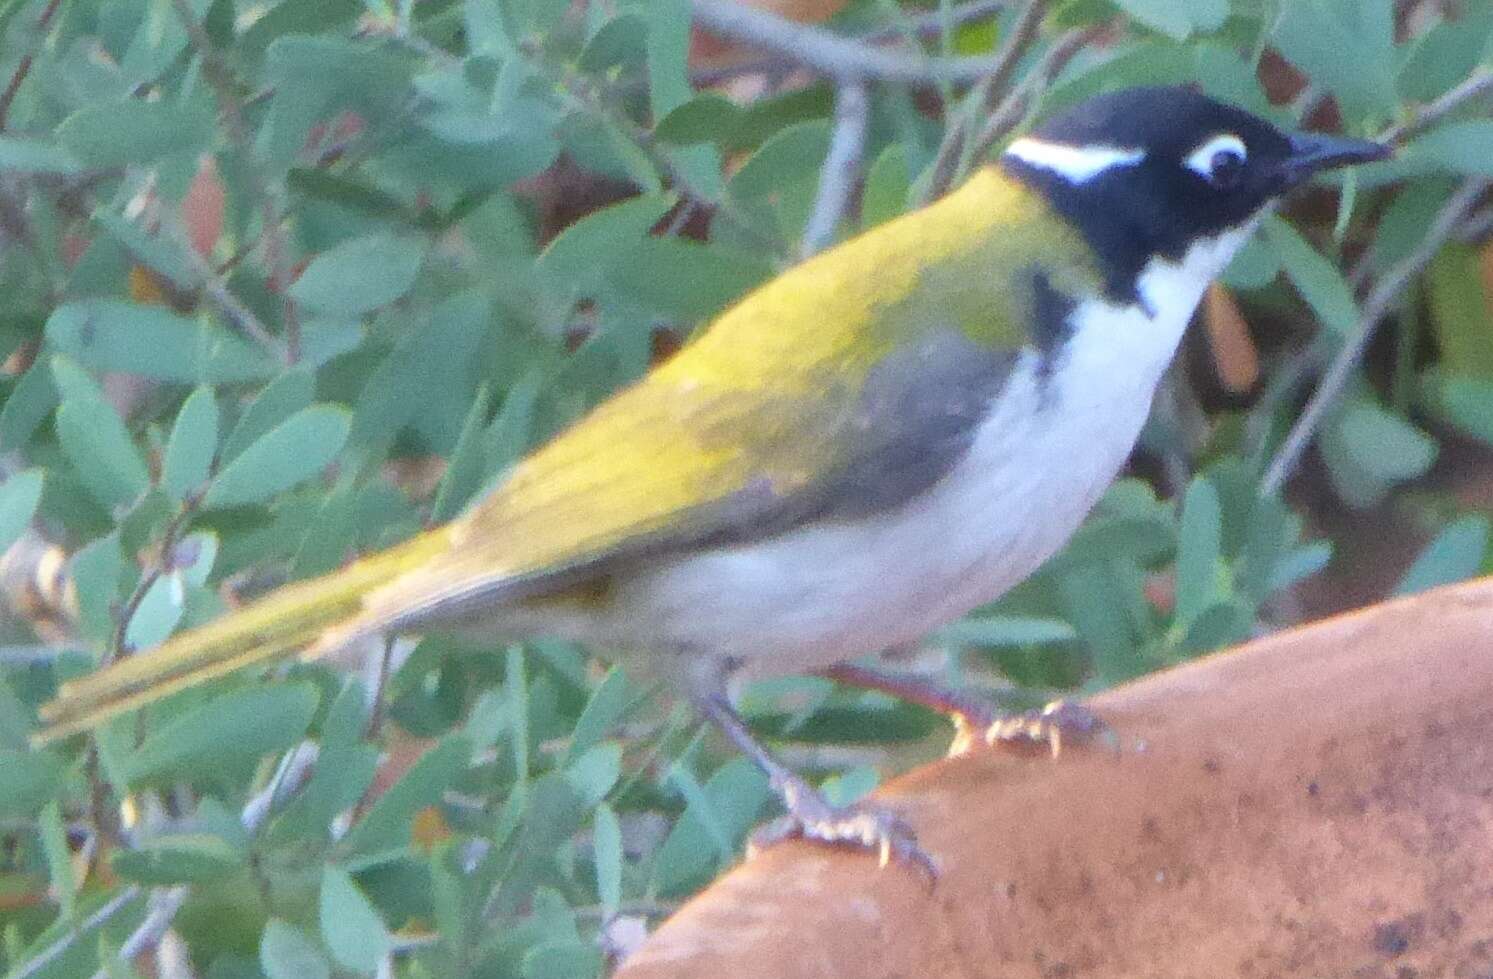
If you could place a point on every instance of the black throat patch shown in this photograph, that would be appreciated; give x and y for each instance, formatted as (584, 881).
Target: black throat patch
(1051, 323)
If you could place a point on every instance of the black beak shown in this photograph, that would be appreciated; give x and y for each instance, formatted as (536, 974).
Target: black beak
(1314, 152)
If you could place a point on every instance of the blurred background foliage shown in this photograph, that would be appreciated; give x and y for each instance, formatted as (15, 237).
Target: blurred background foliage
(285, 282)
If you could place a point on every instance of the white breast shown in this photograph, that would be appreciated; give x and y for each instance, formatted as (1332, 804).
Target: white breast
(824, 593)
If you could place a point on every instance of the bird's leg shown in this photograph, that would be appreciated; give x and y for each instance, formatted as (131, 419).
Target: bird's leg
(809, 815)
(976, 721)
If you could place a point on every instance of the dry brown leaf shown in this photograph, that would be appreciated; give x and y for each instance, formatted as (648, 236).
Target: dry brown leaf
(1234, 351)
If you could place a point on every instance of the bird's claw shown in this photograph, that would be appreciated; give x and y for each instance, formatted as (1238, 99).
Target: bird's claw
(1059, 722)
(860, 825)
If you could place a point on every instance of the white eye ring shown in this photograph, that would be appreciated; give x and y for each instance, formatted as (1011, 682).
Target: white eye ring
(1202, 159)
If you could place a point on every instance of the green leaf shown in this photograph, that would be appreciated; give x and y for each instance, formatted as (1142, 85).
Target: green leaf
(1445, 55)
(466, 469)
(157, 614)
(287, 394)
(562, 960)
(23, 154)
(352, 929)
(619, 43)
(1255, 266)
(1006, 630)
(360, 275)
(1346, 46)
(1199, 548)
(1461, 312)
(667, 47)
(1318, 280)
(28, 779)
(386, 824)
(291, 453)
(605, 708)
(95, 440)
(342, 777)
(1461, 147)
(188, 458)
(97, 570)
(1467, 403)
(117, 335)
(1177, 20)
(1368, 450)
(19, 496)
(594, 773)
(581, 256)
(286, 952)
(30, 402)
(888, 184)
(1384, 444)
(724, 809)
(1223, 623)
(229, 729)
(1455, 555)
(706, 118)
(1299, 564)
(608, 848)
(134, 132)
(179, 858)
(59, 858)
(792, 155)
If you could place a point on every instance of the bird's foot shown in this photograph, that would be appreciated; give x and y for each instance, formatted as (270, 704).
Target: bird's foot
(859, 825)
(1060, 722)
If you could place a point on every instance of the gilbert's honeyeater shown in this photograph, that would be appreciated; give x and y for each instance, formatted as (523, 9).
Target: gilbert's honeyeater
(868, 446)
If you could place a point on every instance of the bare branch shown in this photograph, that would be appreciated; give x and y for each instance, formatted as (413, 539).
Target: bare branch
(926, 26)
(829, 54)
(1476, 85)
(842, 165)
(1375, 307)
(49, 955)
(267, 191)
(956, 150)
(23, 67)
(1015, 107)
(164, 903)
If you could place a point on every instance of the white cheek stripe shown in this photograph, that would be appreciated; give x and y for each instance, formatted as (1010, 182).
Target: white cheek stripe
(1200, 160)
(1076, 164)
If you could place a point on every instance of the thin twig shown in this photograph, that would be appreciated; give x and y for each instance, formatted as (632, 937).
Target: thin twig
(266, 191)
(23, 67)
(1383, 296)
(1016, 106)
(925, 26)
(842, 164)
(1479, 83)
(955, 150)
(52, 952)
(164, 903)
(827, 53)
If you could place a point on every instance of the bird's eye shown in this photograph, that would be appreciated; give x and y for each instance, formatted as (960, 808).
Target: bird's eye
(1220, 161)
(1226, 168)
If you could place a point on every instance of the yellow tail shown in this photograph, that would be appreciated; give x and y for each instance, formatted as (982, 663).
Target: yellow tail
(276, 625)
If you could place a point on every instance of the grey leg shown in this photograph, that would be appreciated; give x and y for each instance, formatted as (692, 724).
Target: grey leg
(975, 720)
(808, 816)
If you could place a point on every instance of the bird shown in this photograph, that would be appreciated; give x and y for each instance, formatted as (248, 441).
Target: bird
(867, 446)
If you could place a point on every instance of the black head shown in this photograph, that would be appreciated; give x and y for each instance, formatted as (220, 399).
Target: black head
(1147, 172)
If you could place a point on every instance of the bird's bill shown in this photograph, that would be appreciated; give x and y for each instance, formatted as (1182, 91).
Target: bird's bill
(1314, 152)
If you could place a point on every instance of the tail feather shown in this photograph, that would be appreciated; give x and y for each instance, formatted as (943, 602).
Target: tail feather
(282, 622)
